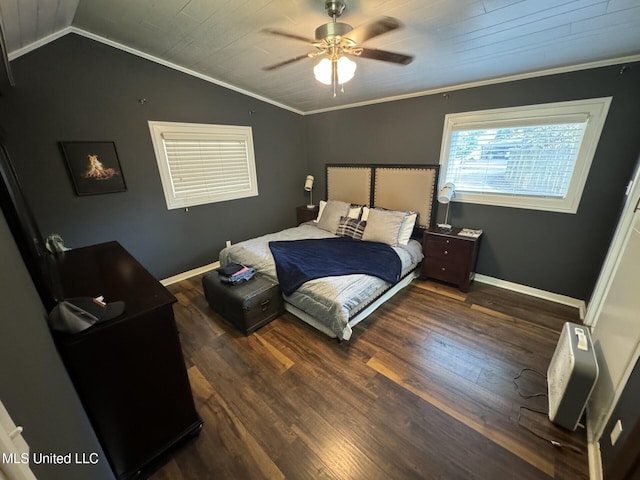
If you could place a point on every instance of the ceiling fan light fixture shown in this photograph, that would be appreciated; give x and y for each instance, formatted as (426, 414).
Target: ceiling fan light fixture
(334, 41)
(346, 70)
(322, 71)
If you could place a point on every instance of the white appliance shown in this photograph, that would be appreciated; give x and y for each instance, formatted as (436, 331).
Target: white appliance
(571, 375)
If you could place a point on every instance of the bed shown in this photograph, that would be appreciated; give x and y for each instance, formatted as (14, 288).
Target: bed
(396, 202)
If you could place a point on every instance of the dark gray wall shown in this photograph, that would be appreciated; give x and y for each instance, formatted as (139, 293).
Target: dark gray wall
(560, 253)
(34, 386)
(75, 89)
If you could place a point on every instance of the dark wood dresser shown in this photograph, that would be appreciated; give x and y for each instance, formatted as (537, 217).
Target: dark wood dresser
(129, 372)
(449, 257)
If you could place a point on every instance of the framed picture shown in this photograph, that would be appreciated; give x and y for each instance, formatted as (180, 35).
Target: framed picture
(94, 167)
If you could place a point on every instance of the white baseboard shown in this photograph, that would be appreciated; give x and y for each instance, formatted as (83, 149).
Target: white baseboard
(535, 292)
(191, 273)
(595, 466)
(593, 448)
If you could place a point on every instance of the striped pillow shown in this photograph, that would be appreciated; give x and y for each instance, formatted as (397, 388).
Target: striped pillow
(351, 227)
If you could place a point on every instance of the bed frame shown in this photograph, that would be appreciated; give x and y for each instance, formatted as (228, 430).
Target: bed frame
(395, 187)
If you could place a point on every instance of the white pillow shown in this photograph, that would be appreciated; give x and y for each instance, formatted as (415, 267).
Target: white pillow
(383, 226)
(406, 229)
(354, 211)
(365, 214)
(321, 206)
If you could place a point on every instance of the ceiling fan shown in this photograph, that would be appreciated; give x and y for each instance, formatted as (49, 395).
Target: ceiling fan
(336, 41)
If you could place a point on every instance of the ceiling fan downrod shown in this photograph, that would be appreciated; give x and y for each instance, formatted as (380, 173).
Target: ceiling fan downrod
(334, 8)
(335, 29)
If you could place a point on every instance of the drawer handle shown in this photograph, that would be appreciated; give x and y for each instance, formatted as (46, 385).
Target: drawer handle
(446, 252)
(443, 269)
(264, 305)
(447, 241)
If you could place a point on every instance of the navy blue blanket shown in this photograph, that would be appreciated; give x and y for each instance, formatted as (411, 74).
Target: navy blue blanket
(298, 261)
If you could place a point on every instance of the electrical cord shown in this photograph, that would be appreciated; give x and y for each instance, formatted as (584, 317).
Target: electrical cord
(542, 394)
(555, 443)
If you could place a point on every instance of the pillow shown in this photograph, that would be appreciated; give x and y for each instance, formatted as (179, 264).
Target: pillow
(354, 211)
(365, 213)
(351, 227)
(321, 206)
(383, 226)
(331, 213)
(406, 229)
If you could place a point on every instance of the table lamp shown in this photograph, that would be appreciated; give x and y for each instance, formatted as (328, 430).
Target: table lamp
(308, 186)
(446, 193)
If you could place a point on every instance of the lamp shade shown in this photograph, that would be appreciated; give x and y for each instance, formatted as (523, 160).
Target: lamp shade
(446, 193)
(308, 184)
(346, 70)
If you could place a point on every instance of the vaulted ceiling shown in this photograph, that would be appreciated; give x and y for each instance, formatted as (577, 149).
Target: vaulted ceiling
(454, 42)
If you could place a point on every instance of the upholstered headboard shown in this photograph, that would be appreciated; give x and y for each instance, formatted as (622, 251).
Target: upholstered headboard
(395, 187)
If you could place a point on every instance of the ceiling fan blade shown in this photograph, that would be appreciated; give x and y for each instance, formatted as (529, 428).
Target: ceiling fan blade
(286, 62)
(362, 33)
(386, 56)
(282, 33)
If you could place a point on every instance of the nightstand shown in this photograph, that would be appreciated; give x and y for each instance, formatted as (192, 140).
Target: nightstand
(305, 214)
(449, 257)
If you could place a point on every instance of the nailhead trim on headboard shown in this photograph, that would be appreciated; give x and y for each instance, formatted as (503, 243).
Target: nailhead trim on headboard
(396, 187)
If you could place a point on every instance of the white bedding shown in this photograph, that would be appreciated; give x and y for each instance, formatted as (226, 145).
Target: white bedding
(332, 301)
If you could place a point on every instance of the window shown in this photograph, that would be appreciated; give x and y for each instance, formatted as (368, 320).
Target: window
(535, 157)
(201, 164)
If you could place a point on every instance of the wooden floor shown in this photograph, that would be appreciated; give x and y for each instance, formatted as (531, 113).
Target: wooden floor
(424, 389)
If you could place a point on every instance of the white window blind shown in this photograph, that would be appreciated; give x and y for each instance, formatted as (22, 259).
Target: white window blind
(204, 163)
(528, 160)
(531, 157)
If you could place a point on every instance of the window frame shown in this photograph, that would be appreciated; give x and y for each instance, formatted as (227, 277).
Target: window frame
(158, 129)
(595, 110)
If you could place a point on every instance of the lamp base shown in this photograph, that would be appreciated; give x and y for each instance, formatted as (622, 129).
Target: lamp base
(445, 227)
(311, 206)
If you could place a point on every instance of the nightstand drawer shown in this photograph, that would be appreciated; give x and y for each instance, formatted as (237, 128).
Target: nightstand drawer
(444, 247)
(453, 272)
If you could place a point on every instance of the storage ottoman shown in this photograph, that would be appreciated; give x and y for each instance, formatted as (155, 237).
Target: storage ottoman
(248, 305)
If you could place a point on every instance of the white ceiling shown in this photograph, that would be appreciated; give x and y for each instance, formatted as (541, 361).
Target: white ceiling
(455, 42)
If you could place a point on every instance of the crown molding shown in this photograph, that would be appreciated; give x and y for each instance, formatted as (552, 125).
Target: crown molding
(492, 81)
(146, 56)
(39, 43)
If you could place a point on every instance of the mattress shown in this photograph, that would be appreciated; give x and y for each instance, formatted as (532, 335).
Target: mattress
(332, 301)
